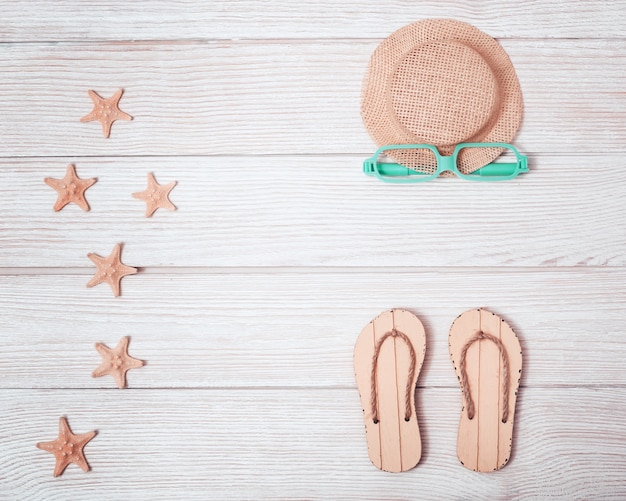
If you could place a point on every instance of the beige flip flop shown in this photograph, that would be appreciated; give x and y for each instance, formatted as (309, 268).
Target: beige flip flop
(487, 358)
(388, 356)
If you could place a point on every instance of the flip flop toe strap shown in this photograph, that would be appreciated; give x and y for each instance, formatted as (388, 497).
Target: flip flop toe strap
(394, 333)
(467, 395)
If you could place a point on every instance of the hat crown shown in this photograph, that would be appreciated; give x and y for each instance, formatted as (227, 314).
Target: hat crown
(443, 93)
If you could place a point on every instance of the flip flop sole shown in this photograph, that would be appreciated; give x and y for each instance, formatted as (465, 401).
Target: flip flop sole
(388, 357)
(487, 358)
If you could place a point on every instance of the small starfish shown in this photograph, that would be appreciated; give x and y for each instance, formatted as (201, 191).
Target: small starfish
(110, 269)
(70, 189)
(106, 111)
(67, 448)
(156, 195)
(116, 361)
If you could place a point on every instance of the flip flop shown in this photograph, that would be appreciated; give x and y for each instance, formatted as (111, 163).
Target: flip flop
(487, 357)
(388, 356)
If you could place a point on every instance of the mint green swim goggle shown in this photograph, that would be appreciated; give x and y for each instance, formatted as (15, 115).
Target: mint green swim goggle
(434, 163)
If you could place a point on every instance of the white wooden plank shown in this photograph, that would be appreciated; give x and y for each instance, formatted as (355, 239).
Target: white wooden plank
(157, 20)
(275, 98)
(315, 211)
(304, 444)
(298, 328)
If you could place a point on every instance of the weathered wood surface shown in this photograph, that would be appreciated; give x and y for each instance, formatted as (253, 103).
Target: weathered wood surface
(261, 97)
(302, 443)
(251, 295)
(315, 211)
(298, 328)
(80, 20)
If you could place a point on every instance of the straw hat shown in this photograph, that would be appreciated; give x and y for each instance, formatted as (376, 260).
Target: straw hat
(441, 82)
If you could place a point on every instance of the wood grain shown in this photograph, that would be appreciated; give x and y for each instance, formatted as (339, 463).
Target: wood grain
(80, 20)
(222, 329)
(245, 98)
(301, 443)
(316, 211)
(251, 295)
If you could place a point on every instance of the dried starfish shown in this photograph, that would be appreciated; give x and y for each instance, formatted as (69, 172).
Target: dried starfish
(156, 195)
(110, 269)
(70, 189)
(68, 448)
(116, 362)
(106, 111)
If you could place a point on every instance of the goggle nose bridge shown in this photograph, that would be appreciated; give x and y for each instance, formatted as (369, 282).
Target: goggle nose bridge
(447, 164)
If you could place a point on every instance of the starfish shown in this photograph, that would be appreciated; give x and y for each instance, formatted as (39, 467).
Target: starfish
(70, 189)
(116, 362)
(106, 111)
(67, 448)
(110, 269)
(156, 195)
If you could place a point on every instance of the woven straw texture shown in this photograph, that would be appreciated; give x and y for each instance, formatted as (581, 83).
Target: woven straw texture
(441, 82)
